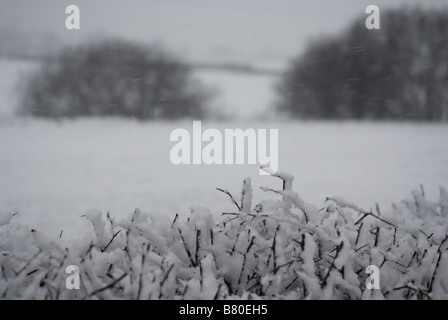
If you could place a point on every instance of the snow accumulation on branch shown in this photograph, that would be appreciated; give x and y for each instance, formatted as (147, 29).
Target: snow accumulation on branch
(281, 248)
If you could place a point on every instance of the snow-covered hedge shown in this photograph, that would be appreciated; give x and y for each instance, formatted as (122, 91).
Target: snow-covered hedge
(281, 248)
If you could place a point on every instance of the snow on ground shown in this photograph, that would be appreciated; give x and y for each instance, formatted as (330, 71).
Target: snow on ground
(52, 172)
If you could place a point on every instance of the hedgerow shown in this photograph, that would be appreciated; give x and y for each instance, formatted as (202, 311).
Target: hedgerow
(282, 248)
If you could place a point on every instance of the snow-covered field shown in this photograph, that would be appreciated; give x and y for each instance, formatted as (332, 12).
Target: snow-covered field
(52, 172)
(60, 175)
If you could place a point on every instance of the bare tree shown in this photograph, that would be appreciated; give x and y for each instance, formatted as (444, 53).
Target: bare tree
(397, 72)
(114, 77)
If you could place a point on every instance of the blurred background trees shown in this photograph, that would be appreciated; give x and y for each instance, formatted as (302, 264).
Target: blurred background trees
(114, 77)
(397, 72)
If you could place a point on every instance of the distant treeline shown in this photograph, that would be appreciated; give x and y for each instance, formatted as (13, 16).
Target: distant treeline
(114, 77)
(397, 72)
(234, 67)
(117, 77)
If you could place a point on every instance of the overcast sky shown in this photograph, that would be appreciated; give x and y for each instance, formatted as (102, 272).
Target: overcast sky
(197, 29)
